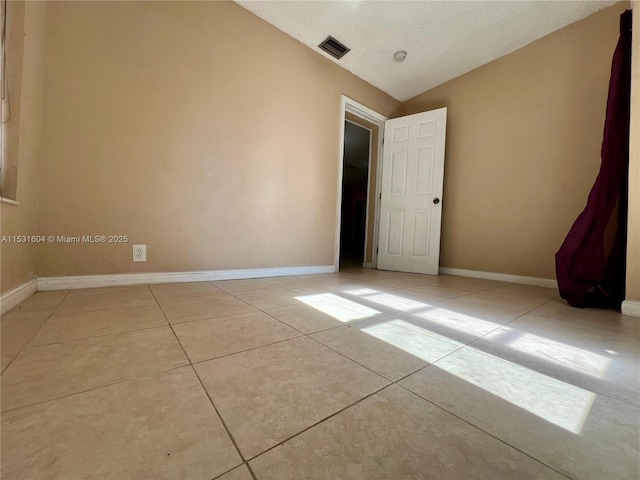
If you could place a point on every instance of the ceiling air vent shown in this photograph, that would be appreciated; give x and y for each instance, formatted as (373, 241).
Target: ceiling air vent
(334, 48)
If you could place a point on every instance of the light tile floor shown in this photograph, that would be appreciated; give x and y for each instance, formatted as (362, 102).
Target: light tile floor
(362, 375)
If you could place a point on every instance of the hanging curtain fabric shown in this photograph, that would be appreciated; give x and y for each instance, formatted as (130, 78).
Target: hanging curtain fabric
(590, 265)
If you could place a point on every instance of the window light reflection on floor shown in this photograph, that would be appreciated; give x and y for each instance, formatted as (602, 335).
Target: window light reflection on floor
(410, 339)
(553, 400)
(396, 302)
(458, 321)
(552, 351)
(361, 291)
(337, 307)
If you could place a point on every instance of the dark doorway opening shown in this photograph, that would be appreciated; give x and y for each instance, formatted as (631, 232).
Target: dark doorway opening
(355, 179)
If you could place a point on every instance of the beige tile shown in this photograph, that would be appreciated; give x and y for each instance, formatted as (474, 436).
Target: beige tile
(342, 287)
(205, 308)
(63, 328)
(17, 314)
(403, 281)
(183, 292)
(580, 434)
(519, 299)
(16, 334)
(390, 347)
(248, 287)
(270, 300)
(306, 281)
(469, 284)
(268, 394)
(596, 359)
(369, 273)
(396, 435)
(207, 339)
(240, 473)
(126, 292)
(40, 303)
(450, 290)
(440, 290)
(308, 319)
(52, 371)
(158, 427)
(80, 301)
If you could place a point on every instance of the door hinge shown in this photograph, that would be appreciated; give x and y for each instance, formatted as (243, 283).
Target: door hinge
(380, 195)
(377, 250)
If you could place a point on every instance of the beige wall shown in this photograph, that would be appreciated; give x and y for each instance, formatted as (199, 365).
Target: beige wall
(195, 128)
(373, 172)
(633, 235)
(523, 148)
(18, 261)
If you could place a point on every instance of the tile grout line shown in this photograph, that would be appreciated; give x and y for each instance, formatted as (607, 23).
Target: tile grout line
(217, 477)
(36, 332)
(282, 442)
(60, 342)
(246, 350)
(350, 359)
(72, 394)
(251, 472)
(233, 440)
(484, 431)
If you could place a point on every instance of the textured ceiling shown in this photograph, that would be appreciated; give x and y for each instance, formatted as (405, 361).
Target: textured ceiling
(444, 39)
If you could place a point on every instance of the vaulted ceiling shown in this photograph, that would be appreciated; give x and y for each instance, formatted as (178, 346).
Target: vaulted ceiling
(444, 39)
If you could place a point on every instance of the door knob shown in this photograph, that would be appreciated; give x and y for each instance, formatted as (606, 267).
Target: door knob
(436, 201)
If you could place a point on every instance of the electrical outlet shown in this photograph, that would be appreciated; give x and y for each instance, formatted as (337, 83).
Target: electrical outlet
(139, 253)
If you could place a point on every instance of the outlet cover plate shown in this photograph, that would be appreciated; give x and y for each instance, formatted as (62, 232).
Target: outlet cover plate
(139, 253)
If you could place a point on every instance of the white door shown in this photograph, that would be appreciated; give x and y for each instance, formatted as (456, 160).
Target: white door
(411, 197)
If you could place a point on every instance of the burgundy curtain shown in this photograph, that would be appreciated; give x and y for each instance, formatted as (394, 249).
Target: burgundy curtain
(590, 265)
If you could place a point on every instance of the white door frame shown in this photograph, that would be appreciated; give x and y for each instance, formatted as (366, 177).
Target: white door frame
(349, 105)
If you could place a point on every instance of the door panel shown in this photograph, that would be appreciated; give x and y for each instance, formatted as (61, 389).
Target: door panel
(412, 180)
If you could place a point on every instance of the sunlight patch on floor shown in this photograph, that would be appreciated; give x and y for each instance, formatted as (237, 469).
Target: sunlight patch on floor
(458, 321)
(361, 291)
(396, 302)
(337, 307)
(553, 400)
(552, 351)
(409, 338)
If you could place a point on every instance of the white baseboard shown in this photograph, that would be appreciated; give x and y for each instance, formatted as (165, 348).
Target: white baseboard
(501, 277)
(124, 279)
(366, 264)
(15, 296)
(631, 308)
